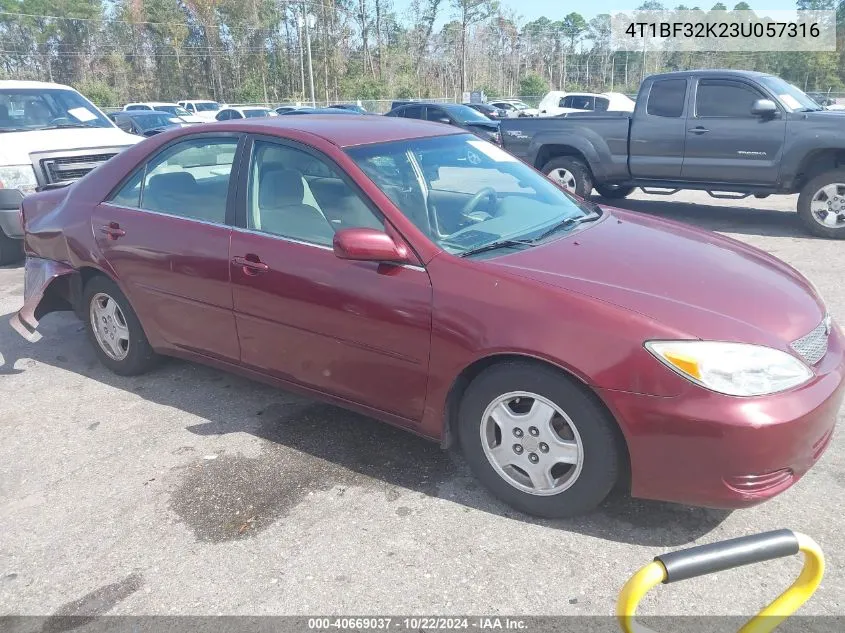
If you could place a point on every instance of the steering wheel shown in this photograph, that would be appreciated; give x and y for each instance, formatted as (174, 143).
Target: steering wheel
(481, 194)
(59, 120)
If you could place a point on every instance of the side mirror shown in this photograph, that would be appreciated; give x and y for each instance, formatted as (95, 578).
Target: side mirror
(368, 245)
(444, 119)
(764, 108)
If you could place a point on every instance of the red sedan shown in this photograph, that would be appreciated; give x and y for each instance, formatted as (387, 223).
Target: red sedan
(423, 276)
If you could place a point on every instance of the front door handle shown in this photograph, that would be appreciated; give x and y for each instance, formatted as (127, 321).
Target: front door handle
(113, 230)
(251, 264)
(698, 130)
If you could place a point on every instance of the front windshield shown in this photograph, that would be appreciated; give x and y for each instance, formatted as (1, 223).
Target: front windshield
(465, 193)
(791, 97)
(174, 109)
(153, 121)
(41, 109)
(465, 114)
(207, 106)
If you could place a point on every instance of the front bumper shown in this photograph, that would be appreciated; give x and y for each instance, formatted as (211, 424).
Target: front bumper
(706, 449)
(10, 218)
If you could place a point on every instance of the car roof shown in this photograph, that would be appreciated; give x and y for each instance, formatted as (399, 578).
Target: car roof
(44, 85)
(346, 131)
(711, 72)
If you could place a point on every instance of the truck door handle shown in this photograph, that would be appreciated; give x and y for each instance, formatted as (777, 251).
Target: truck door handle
(113, 230)
(251, 264)
(698, 130)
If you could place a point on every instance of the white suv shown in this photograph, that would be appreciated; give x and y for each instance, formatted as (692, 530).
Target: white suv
(202, 108)
(51, 136)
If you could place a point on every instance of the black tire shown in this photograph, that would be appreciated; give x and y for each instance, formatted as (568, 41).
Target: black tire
(140, 357)
(809, 190)
(613, 192)
(583, 179)
(11, 250)
(599, 435)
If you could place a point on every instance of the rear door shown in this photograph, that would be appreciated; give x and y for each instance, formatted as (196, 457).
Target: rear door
(165, 233)
(725, 142)
(658, 131)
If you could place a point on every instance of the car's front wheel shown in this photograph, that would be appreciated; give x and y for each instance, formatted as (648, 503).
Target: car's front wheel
(537, 441)
(115, 330)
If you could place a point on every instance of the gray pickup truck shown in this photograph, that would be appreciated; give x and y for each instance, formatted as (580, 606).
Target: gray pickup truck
(729, 133)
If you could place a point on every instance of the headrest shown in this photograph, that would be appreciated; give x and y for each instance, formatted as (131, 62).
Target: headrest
(278, 186)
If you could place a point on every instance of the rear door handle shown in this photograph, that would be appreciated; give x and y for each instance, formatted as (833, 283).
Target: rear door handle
(113, 230)
(251, 264)
(698, 130)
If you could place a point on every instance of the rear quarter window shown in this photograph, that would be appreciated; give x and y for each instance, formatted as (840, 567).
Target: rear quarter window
(666, 98)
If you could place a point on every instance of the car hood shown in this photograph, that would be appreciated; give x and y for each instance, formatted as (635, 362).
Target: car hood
(16, 146)
(692, 281)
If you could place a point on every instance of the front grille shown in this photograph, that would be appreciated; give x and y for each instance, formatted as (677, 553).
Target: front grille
(60, 169)
(813, 346)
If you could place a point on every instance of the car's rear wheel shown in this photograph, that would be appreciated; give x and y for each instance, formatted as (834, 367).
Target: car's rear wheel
(538, 441)
(821, 205)
(115, 330)
(614, 192)
(11, 250)
(570, 173)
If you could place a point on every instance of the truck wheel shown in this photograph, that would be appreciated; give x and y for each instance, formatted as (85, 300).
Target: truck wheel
(537, 441)
(614, 192)
(821, 205)
(11, 250)
(571, 174)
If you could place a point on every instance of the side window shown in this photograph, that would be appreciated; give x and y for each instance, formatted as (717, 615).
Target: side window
(602, 104)
(222, 116)
(189, 180)
(435, 114)
(725, 99)
(234, 114)
(412, 112)
(666, 98)
(134, 107)
(296, 195)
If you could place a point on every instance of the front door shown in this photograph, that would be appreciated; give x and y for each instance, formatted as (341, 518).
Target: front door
(166, 236)
(356, 330)
(725, 142)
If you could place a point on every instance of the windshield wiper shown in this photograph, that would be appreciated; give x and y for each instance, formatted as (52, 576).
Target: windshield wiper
(494, 245)
(566, 222)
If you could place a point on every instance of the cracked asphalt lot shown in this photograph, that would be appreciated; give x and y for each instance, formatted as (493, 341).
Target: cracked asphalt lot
(191, 491)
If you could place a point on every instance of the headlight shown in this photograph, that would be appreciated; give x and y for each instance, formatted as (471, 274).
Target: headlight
(735, 369)
(21, 177)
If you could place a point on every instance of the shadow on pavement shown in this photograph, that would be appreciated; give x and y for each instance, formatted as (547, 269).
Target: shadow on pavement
(313, 446)
(744, 220)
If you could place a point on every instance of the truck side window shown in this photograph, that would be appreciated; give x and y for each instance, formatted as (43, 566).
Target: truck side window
(666, 98)
(725, 99)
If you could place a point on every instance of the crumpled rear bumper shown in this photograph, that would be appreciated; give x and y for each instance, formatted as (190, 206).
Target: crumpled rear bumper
(38, 275)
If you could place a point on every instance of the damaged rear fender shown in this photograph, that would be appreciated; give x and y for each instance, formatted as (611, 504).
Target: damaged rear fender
(48, 287)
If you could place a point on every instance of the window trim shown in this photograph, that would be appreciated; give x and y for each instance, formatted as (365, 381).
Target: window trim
(684, 104)
(234, 176)
(729, 81)
(245, 168)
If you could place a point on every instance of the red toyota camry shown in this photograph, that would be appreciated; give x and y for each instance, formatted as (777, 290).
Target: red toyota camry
(425, 277)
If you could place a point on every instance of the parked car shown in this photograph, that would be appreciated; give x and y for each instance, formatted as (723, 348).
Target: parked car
(163, 106)
(451, 114)
(51, 135)
(146, 122)
(318, 111)
(488, 110)
(720, 131)
(369, 264)
(351, 107)
(289, 108)
(588, 102)
(515, 108)
(204, 109)
(243, 112)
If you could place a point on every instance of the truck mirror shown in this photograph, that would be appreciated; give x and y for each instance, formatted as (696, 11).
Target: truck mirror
(764, 108)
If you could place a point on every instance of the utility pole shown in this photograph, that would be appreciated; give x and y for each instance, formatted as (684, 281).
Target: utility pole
(300, 22)
(307, 19)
